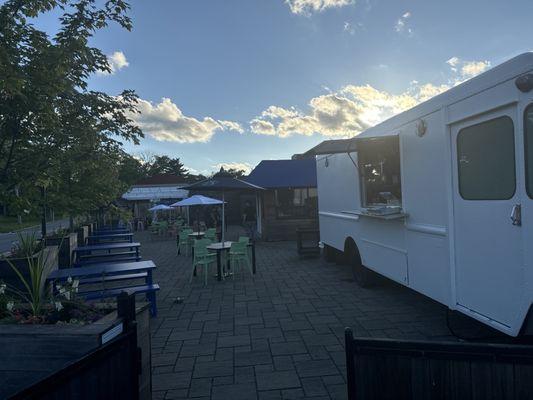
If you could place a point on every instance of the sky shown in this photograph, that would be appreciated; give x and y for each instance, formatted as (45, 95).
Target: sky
(234, 82)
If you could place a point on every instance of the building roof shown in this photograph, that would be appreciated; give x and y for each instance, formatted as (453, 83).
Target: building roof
(272, 174)
(155, 193)
(162, 179)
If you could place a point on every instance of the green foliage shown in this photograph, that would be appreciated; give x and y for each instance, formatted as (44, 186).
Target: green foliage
(26, 246)
(54, 132)
(35, 288)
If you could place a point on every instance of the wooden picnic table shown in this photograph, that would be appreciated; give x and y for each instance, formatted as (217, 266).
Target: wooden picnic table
(110, 231)
(85, 253)
(104, 272)
(112, 237)
(103, 269)
(219, 247)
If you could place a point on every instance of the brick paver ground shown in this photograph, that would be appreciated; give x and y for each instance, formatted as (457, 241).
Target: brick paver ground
(277, 336)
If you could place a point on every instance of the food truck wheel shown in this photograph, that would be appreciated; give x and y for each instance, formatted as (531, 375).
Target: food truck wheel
(329, 253)
(362, 275)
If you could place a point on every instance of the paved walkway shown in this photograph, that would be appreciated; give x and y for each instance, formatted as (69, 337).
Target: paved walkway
(7, 239)
(278, 336)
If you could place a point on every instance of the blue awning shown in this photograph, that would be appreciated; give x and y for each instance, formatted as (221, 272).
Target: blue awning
(273, 174)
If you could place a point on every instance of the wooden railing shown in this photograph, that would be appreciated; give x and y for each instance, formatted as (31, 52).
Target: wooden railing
(394, 369)
(111, 372)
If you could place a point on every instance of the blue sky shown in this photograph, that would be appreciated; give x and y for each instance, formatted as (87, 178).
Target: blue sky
(246, 80)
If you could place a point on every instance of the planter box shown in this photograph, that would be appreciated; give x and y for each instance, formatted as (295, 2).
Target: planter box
(83, 233)
(32, 352)
(66, 245)
(8, 276)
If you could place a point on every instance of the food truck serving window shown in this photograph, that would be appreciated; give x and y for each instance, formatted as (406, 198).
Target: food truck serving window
(379, 168)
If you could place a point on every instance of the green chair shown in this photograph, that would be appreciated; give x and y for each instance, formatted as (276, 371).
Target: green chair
(238, 257)
(163, 228)
(184, 243)
(211, 234)
(203, 258)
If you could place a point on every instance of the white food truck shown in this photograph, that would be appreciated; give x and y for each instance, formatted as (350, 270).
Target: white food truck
(440, 198)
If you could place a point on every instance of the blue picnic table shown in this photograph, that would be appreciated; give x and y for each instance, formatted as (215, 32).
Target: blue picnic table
(107, 252)
(115, 272)
(110, 231)
(112, 237)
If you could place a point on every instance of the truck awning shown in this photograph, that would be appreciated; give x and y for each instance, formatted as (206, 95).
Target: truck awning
(347, 145)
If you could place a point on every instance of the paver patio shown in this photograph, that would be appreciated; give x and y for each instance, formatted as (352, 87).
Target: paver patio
(278, 336)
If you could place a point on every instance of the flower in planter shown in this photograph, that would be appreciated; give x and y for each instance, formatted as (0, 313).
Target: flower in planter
(10, 305)
(3, 287)
(58, 306)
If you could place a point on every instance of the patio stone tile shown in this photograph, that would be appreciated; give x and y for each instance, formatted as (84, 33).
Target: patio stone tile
(175, 380)
(316, 368)
(288, 348)
(212, 369)
(252, 358)
(277, 380)
(233, 341)
(241, 391)
(200, 387)
(278, 336)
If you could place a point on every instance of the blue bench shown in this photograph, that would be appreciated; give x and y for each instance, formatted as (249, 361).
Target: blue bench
(148, 289)
(113, 278)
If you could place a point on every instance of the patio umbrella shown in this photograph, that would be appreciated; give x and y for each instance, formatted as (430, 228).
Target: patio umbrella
(222, 182)
(197, 200)
(157, 208)
(160, 207)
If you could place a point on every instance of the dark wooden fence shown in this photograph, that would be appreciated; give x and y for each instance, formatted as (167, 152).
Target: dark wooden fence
(109, 373)
(392, 369)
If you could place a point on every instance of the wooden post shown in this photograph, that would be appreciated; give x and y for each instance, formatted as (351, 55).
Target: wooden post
(126, 307)
(350, 363)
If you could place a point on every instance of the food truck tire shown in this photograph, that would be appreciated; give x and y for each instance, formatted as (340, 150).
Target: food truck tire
(329, 253)
(361, 274)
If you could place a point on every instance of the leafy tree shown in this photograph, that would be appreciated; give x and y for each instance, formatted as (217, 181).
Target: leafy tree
(167, 165)
(45, 104)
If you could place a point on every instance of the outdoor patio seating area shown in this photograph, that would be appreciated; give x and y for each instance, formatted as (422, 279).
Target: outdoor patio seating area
(277, 336)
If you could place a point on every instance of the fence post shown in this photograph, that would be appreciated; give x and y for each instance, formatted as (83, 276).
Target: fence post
(126, 307)
(350, 363)
(126, 311)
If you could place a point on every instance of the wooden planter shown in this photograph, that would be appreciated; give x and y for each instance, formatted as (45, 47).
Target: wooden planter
(32, 352)
(66, 245)
(8, 276)
(83, 233)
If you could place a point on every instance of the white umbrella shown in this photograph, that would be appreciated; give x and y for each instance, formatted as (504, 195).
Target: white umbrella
(197, 200)
(160, 207)
(157, 208)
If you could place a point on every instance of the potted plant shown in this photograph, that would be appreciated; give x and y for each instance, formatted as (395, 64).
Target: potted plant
(66, 241)
(25, 254)
(33, 311)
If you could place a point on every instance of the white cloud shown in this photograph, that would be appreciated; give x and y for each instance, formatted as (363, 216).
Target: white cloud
(473, 68)
(164, 121)
(402, 25)
(116, 62)
(354, 108)
(239, 166)
(467, 69)
(307, 7)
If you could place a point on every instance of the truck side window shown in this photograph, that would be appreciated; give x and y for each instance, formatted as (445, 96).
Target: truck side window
(379, 168)
(486, 160)
(528, 143)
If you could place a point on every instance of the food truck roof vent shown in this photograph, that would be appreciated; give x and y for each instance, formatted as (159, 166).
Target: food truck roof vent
(524, 83)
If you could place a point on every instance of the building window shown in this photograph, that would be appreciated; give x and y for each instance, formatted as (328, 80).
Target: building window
(296, 203)
(379, 169)
(486, 160)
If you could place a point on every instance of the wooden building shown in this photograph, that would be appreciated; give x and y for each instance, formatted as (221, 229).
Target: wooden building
(162, 188)
(290, 200)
